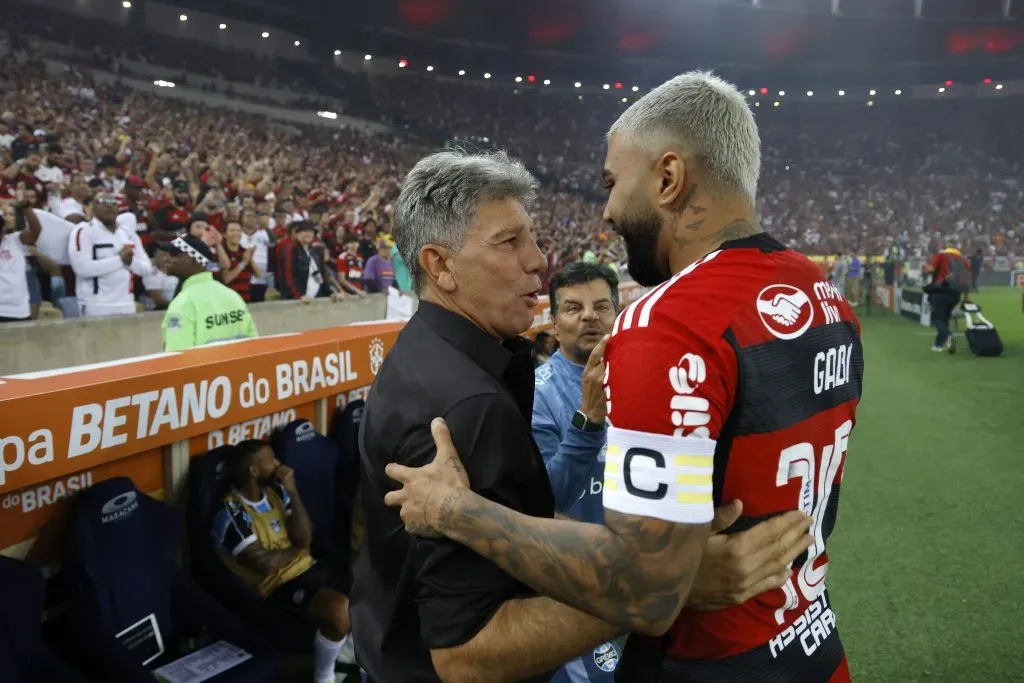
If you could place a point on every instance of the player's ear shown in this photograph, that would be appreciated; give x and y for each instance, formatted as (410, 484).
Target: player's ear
(436, 262)
(672, 176)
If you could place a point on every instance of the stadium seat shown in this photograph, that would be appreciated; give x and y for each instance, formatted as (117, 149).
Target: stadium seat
(23, 656)
(120, 567)
(206, 488)
(69, 306)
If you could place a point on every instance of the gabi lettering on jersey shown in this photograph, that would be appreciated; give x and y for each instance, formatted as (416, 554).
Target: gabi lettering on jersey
(810, 630)
(690, 413)
(832, 368)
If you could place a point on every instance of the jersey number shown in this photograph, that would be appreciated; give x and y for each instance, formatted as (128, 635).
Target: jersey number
(798, 462)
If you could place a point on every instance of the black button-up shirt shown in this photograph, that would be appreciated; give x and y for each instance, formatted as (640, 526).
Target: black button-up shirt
(413, 595)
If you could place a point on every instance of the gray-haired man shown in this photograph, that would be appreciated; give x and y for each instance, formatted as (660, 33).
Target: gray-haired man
(431, 609)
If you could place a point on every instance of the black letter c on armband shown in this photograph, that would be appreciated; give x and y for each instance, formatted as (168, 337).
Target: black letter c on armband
(659, 462)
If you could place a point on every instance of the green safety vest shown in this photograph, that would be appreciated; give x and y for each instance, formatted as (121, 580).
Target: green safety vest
(205, 311)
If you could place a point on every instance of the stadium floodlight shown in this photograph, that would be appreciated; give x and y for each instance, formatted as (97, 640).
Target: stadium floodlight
(126, 4)
(942, 90)
(898, 92)
(872, 92)
(636, 88)
(337, 53)
(842, 92)
(182, 17)
(810, 93)
(625, 99)
(402, 63)
(606, 86)
(297, 43)
(776, 103)
(265, 34)
(751, 92)
(163, 84)
(487, 75)
(782, 93)
(577, 84)
(223, 27)
(757, 104)
(519, 79)
(462, 72)
(579, 97)
(327, 115)
(999, 86)
(871, 103)
(547, 81)
(367, 57)
(429, 67)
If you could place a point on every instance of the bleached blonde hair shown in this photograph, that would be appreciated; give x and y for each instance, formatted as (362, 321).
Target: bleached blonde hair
(710, 119)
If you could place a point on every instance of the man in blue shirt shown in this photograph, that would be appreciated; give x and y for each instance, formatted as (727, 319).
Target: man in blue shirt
(568, 417)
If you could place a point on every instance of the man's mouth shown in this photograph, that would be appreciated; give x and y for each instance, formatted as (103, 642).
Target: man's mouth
(533, 297)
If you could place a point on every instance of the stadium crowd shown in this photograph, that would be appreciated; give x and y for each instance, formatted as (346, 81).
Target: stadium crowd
(835, 179)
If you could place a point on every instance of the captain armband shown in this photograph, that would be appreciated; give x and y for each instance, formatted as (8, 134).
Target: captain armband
(660, 476)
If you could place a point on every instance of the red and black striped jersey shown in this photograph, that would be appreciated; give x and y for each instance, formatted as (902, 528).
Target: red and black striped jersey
(750, 355)
(243, 280)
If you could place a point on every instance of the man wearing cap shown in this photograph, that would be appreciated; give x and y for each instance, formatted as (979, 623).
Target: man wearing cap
(204, 310)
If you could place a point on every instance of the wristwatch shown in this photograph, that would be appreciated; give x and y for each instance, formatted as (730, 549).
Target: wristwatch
(581, 422)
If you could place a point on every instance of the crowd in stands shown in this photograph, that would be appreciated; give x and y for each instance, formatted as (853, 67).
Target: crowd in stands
(836, 178)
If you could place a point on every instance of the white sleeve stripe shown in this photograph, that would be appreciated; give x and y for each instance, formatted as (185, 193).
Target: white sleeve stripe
(237, 550)
(668, 477)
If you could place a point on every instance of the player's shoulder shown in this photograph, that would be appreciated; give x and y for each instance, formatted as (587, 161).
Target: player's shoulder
(704, 298)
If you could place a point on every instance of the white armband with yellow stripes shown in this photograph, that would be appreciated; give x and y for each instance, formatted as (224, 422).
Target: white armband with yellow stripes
(658, 475)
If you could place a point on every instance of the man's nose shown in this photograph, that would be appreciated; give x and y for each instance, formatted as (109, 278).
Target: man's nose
(536, 261)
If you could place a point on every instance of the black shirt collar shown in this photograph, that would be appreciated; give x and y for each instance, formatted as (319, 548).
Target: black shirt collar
(463, 334)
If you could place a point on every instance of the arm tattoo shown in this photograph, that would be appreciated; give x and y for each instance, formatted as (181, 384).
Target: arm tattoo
(634, 572)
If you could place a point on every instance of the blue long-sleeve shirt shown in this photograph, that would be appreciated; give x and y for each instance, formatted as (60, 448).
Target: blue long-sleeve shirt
(575, 463)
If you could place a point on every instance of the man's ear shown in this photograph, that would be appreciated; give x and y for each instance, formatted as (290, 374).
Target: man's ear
(673, 180)
(437, 265)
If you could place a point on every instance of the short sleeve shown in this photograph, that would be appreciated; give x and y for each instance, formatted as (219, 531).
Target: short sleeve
(458, 591)
(232, 528)
(670, 390)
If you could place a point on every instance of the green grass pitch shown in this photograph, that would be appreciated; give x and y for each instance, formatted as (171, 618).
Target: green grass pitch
(927, 558)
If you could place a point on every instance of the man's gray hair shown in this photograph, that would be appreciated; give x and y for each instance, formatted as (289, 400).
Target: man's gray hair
(710, 118)
(440, 196)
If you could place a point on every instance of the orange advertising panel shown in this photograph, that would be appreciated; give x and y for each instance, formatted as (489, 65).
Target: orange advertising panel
(256, 428)
(58, 422)
(42, 508)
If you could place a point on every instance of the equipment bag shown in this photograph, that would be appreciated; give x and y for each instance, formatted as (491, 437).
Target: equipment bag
(981, 334)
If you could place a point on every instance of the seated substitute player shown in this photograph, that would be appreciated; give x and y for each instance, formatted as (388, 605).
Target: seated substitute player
(264, 534)
(737, 376)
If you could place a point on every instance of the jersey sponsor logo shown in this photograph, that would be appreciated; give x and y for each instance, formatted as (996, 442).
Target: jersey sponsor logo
(785, 311)
(376, 355)
(832, 368)
(811, 629)
(828, 298)
(606, 657)
(119, 507)
(689, 413)
(544, 373)
(230, 318)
